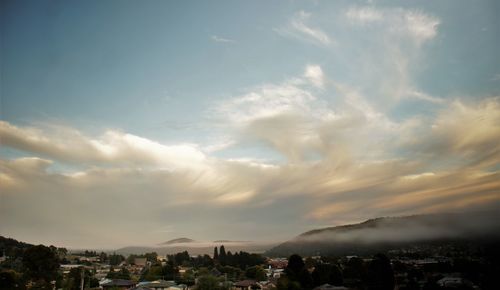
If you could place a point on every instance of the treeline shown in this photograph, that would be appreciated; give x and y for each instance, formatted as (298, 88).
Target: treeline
(239, 265)
(240, 259)
(12, 248)
(37, 266)
(25, 263)
(376, 274)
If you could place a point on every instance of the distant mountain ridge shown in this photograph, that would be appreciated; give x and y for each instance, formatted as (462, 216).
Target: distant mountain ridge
(391, 232)
(230, 241)
(196, 249)
(178, 241)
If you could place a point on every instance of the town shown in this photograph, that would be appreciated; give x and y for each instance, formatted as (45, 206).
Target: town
(25, 266)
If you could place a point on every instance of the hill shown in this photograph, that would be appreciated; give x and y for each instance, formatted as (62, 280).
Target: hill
(12, 247)
(178, 241)
(386, 233)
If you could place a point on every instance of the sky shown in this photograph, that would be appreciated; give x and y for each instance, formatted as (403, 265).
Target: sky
(132, 123)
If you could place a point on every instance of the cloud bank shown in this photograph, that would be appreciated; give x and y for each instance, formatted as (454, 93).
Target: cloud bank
(339, 155)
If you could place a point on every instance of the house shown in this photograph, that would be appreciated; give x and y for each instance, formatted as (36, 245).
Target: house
(120, 284)
(454, 282)
(157, 285)
(265, 285)
(140, 262)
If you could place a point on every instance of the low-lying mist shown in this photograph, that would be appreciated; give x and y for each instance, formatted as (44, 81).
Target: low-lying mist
(411, 229)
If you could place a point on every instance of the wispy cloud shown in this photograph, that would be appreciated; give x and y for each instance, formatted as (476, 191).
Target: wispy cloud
(496, 78)
(221, 39)
(299, 28)
(425, 97)
(418, 25)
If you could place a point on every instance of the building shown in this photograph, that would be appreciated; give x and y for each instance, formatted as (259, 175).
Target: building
(157, 285)
(117, 284)
(140, 262)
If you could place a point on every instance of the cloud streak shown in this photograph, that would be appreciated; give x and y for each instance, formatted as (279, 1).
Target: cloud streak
(338, 160)
(299, 28)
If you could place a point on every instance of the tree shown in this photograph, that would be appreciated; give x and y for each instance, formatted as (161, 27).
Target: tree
(169, 272)
(380, 275)
(355, 269)
(152, 273)
(321, 274)
(151, 257)
(216, 254)
(103, 257)
(187, 279)
(115, 259)
(335, 277)
(131, 259)
(222, 255)
(207, 282)
(256, 273)
(74, 279)
(295, 265)
(41, 265)
(9, 279)
(284, 283)
(122, 274)
(327, 273)
(296, 271)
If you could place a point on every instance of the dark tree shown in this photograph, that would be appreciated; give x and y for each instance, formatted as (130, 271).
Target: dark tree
(103, 257)
(122, 274)
(207, 282)
(229, 258)
(40, 265)
(256, 273)
(321, 274)
(380, 275)
(284, 283)
(297, 272)
(295, 265)
(222, 255)
(216, 254)
(10, 280)
(115, 259)
(335, 277)
(327, 273)
(74, 279)
(355, 270)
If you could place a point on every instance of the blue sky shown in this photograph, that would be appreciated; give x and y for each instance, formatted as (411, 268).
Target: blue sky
(279, 116)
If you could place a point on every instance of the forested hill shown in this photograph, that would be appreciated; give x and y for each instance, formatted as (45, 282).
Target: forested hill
(392, 232)
(12, 247)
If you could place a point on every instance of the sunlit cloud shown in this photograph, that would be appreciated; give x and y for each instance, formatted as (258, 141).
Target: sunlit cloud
(315, 75)
(70, 145)
(319, 145)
